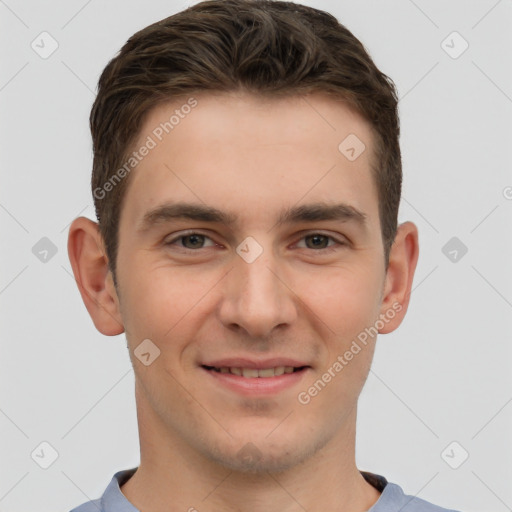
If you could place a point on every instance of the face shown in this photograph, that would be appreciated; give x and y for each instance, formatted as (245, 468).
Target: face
(249, 244)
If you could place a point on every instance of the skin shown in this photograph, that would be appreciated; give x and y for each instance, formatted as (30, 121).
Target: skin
(201, 301)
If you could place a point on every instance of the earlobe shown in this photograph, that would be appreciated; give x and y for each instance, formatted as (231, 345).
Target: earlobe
(92, 275)
(403, 258)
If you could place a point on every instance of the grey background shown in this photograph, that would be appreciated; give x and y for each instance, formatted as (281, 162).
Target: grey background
(444, 376)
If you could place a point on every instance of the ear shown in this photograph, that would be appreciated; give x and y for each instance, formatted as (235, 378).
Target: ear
(93, 277)
(403, 257)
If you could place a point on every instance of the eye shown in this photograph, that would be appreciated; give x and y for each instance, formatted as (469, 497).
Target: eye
(320, 241)
(190, 241)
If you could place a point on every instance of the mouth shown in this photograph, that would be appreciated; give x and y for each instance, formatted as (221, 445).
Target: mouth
(253, 379)
(256, 373)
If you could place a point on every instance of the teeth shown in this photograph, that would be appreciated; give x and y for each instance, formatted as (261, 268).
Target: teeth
(252, 373)
(269, 372)
(249, 372)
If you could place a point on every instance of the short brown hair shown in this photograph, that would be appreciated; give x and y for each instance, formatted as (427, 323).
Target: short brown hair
(264, 47)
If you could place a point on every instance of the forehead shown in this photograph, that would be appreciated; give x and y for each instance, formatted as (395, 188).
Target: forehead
(251, 155)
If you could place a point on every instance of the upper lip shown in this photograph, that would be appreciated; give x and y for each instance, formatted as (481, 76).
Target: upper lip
(241, 362)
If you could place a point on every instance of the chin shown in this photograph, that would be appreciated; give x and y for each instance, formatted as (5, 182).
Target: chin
(265, 457)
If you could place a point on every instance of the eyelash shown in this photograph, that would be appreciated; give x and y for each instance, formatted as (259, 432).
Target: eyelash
(190, 233)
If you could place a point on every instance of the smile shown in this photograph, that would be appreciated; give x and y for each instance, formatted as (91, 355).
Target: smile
(256, 382)
(252, 373)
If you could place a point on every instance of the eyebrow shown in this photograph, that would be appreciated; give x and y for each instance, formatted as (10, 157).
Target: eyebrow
(293, 215)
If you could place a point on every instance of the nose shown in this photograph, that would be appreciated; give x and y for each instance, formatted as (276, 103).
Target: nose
(257, 298)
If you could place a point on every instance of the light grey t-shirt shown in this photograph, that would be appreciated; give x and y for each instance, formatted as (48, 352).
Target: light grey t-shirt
(392, 498)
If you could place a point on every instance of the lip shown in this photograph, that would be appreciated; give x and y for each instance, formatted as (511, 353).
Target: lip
(240, 362)
(258, 386)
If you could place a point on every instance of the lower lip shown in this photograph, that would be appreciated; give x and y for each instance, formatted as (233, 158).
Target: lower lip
(257, 385)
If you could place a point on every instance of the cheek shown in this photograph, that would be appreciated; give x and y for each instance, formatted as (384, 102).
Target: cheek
(345, 299)
(161, 303)
(149, 302)
(164, 303)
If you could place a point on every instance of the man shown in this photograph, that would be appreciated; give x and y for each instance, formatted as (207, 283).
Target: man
(246, 178)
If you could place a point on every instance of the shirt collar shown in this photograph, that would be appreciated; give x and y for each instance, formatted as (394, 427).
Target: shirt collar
(113, 500)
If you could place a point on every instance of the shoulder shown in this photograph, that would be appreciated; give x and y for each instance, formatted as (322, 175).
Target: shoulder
(90, 506)
(393, 499)
(112, 499)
